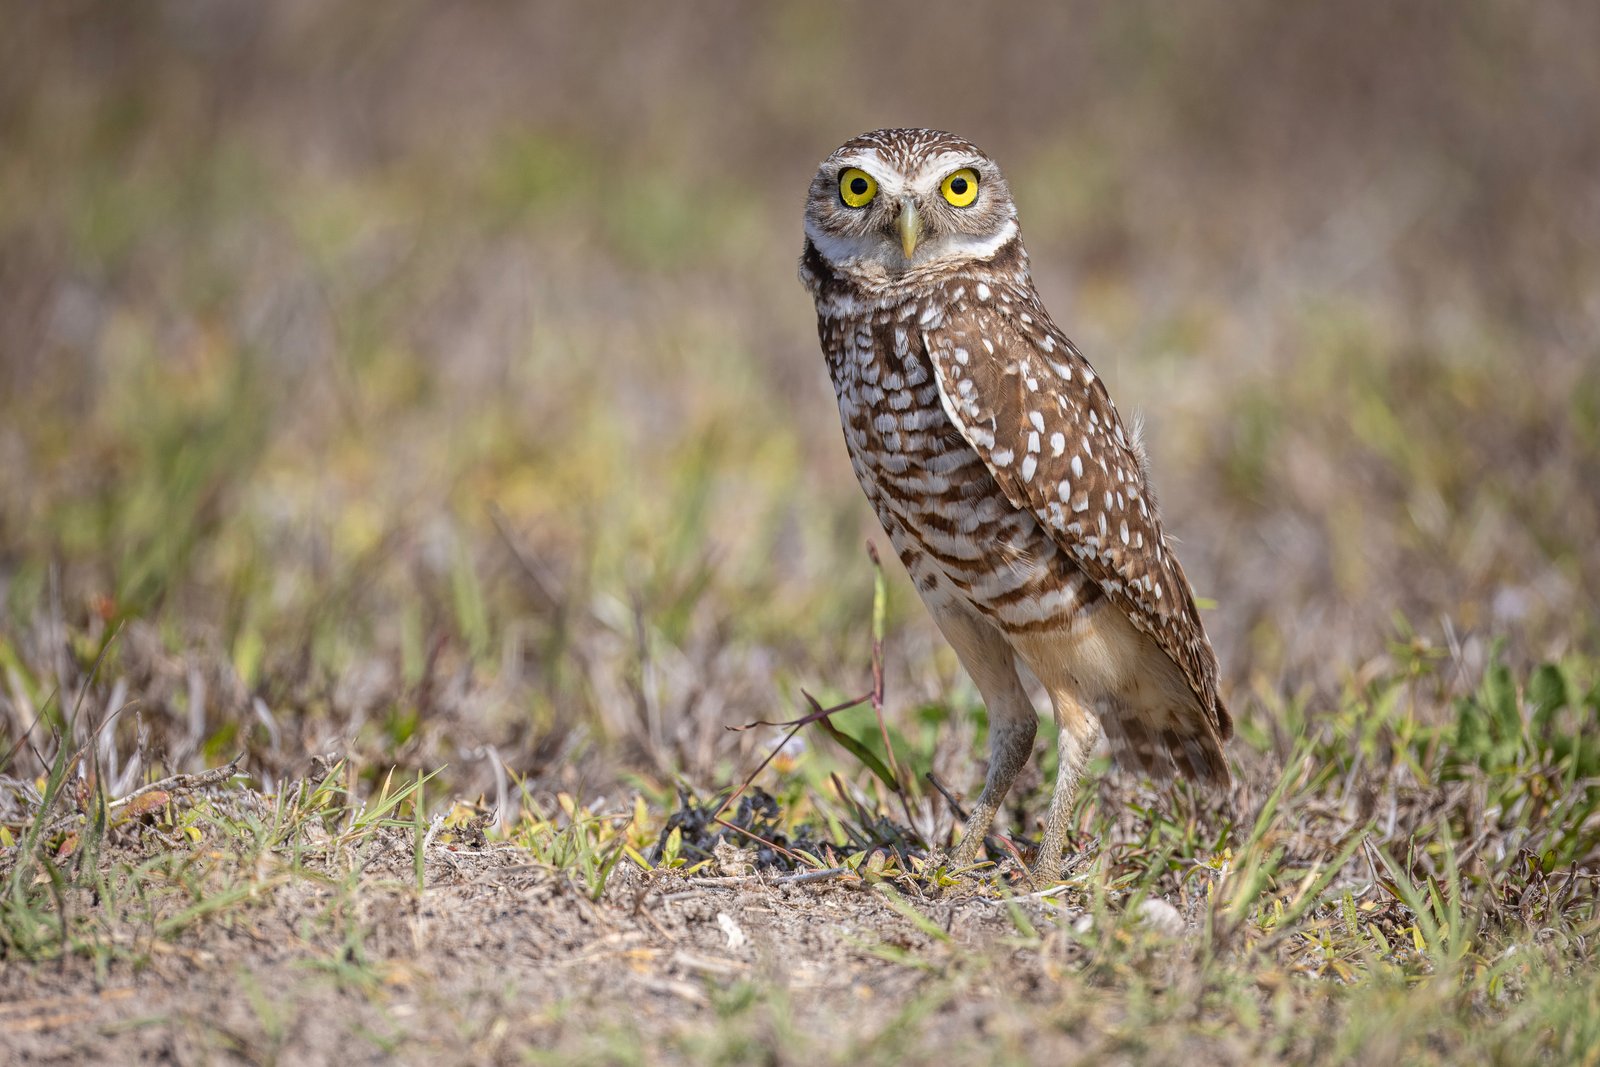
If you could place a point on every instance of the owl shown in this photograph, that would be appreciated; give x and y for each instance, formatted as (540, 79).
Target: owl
(1018, 500)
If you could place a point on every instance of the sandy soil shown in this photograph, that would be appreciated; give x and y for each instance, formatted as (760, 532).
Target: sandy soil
(499, 958)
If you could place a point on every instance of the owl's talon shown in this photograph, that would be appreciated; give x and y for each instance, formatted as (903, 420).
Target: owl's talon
(1040, 876)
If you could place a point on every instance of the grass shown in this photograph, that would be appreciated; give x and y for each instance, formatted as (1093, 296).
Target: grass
(470, 471)
(1452, 909)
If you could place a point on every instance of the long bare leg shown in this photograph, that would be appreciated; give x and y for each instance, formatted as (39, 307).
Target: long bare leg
(1010, 745)
(988, 658)
(1074, 742)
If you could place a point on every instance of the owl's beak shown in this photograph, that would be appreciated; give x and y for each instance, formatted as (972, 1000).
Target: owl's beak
(910, 226)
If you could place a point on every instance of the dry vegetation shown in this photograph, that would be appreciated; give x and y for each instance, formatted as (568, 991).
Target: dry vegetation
(418, 402)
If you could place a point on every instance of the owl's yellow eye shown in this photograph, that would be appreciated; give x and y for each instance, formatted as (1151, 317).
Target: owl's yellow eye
(856, 187)
(960, 188)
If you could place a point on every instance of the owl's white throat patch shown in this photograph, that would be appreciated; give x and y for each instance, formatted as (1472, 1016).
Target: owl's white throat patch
(875, 257)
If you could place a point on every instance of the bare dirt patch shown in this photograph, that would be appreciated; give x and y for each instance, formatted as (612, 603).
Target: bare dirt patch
(498, 957)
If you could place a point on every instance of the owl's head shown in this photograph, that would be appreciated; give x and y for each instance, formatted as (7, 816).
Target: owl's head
(892, 204)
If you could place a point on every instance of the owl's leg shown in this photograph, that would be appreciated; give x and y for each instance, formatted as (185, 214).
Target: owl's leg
(988, 658)
(1010, 745)
(1074, 742)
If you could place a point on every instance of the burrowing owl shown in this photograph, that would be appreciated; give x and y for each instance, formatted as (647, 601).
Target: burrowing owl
(1001, 471)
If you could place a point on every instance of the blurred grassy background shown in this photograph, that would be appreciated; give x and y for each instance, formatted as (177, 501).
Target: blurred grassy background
(430, 382)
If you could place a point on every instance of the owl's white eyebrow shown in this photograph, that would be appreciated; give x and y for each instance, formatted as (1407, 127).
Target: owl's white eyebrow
(888, 181)
(867, 161)
(946, 162)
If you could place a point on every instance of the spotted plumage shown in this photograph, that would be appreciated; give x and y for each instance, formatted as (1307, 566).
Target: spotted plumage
(1017, 499)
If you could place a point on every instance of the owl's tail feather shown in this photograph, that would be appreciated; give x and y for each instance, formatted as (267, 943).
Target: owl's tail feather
(1224, 721)
(1182, 742)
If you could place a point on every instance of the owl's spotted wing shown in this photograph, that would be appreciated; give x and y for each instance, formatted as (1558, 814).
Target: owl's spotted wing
(1034, 409)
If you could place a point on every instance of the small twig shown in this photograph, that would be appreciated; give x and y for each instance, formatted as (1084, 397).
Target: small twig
(806, 720)
(757, 837)
(879, 610)
(185, 783)
(877, 656)
(1007, 844)
(640, 912)
(24, 739)
(717, 815)
(795, 725)
(176, 785)
(51, 799)
(824, 875)
(435, 825)
(949, 798)
(1042, 894)
(874, 696)
(736, 880)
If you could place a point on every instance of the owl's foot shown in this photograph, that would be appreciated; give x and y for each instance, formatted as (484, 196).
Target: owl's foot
(1048, 869)
(1052, 862)
(983, 875)
(966, 853)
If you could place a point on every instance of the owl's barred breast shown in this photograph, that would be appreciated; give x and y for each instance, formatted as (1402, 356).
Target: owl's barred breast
(950, 522)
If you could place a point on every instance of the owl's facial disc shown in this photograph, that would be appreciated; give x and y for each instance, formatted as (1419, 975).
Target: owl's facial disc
(894, 204)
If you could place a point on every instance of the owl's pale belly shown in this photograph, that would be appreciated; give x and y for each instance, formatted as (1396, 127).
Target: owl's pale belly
(952, 526)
